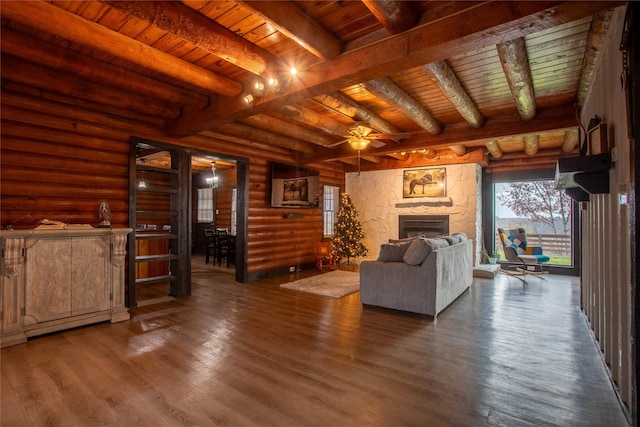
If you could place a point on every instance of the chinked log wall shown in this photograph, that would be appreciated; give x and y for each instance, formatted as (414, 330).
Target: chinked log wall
(60, 156)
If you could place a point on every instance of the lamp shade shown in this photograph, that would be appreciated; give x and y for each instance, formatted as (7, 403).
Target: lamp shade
(359, 143)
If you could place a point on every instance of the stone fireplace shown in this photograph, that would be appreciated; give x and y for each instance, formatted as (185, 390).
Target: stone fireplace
(422, 225)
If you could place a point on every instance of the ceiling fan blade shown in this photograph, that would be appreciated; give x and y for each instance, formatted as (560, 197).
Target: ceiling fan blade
(399, 135)
(335, 144)
(377, 144)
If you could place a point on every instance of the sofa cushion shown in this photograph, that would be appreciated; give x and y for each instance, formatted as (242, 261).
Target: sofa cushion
(393, 252)
(420, 249)
(460, 235)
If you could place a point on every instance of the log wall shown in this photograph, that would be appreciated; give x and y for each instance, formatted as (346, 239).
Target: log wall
(61, 156)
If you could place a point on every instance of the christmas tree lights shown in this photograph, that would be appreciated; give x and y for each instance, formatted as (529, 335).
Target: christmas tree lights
(348, 236)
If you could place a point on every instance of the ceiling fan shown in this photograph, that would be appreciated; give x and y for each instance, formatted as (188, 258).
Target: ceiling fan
(361, 135)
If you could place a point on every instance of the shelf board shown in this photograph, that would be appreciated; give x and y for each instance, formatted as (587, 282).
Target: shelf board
(153, 258)
(157, 213)
(155, 236)
(156, 169)
(155, 279)
(160, 190)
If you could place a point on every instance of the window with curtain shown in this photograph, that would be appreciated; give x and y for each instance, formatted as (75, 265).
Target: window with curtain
(234, 211)
(205, 205)
(330, 206)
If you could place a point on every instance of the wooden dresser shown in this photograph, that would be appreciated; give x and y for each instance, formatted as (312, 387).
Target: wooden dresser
(58, 279)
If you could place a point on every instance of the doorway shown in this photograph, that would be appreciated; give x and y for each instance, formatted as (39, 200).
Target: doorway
(162, 213)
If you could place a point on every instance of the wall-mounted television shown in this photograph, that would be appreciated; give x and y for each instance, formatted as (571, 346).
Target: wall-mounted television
(293, 186)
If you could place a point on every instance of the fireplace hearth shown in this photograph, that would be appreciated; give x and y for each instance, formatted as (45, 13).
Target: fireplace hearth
(422, 225)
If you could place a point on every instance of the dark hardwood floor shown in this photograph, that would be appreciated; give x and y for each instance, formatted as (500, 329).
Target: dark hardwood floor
(504, 354)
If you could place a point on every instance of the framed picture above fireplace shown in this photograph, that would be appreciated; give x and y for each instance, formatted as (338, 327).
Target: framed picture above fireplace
(424, 183)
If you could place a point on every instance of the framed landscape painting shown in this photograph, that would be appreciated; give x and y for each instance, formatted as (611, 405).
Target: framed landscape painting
(424, 183)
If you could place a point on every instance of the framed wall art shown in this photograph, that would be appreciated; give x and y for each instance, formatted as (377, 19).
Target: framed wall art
(424, 183)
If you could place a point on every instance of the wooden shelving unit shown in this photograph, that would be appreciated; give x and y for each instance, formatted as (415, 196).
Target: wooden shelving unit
(159, 253)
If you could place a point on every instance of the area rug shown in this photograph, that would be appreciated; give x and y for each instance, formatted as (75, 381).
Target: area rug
(335, 284)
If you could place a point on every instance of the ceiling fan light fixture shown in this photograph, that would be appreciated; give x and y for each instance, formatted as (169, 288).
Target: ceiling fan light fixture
(248, 99)
(359, 143)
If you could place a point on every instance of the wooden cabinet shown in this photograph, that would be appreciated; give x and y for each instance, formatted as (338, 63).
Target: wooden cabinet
(58, 279)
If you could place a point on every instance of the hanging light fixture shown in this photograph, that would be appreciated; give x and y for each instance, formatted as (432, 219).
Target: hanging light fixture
(213, 180)
(142, 183)
(358, 143)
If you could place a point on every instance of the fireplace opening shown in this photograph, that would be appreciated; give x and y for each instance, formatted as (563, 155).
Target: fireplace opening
(422, 225)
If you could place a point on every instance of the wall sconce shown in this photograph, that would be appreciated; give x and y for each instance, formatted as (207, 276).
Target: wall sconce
(142, 183)
(213, 180)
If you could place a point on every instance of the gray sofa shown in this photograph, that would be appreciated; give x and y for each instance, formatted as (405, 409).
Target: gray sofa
(418, 275)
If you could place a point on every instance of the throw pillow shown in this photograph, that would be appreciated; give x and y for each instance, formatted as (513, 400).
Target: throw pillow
(417, 252)
(393, 252)
(452, 240)
(404, 240)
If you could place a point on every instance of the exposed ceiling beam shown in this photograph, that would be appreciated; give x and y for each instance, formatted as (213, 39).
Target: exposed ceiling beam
(450, 85)
(386, 89)
(515, 63)
(252, 133)
(531, 144)
(48, 17)
(570, 140)
(184, 22)
(32, 49)
(285, 127)
(296, 25)
(58, 82)
(495, 127)
(486, 24)
(348, 107)
(309, 117)
(494, 148)
(599, 29)
(395, 15)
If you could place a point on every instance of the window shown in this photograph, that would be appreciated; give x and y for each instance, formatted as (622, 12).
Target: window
(234, 211)
(330, 208)
(205, 205)
(544, 213)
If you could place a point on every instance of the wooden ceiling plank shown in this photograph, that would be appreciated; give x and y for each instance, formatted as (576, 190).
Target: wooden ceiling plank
(395, 15)
(390, 92)
(296, 25)
(487, 23)
(50, 18)
(453, 90)
(515, 62)
(187, 24)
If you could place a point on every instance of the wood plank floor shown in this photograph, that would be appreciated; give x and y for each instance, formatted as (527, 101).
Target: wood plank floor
(504, 354)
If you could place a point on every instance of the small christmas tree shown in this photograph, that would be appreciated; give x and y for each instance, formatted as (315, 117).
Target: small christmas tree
(347, 240)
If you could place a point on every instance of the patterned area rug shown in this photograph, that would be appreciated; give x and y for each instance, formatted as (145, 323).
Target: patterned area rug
(335, 284)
